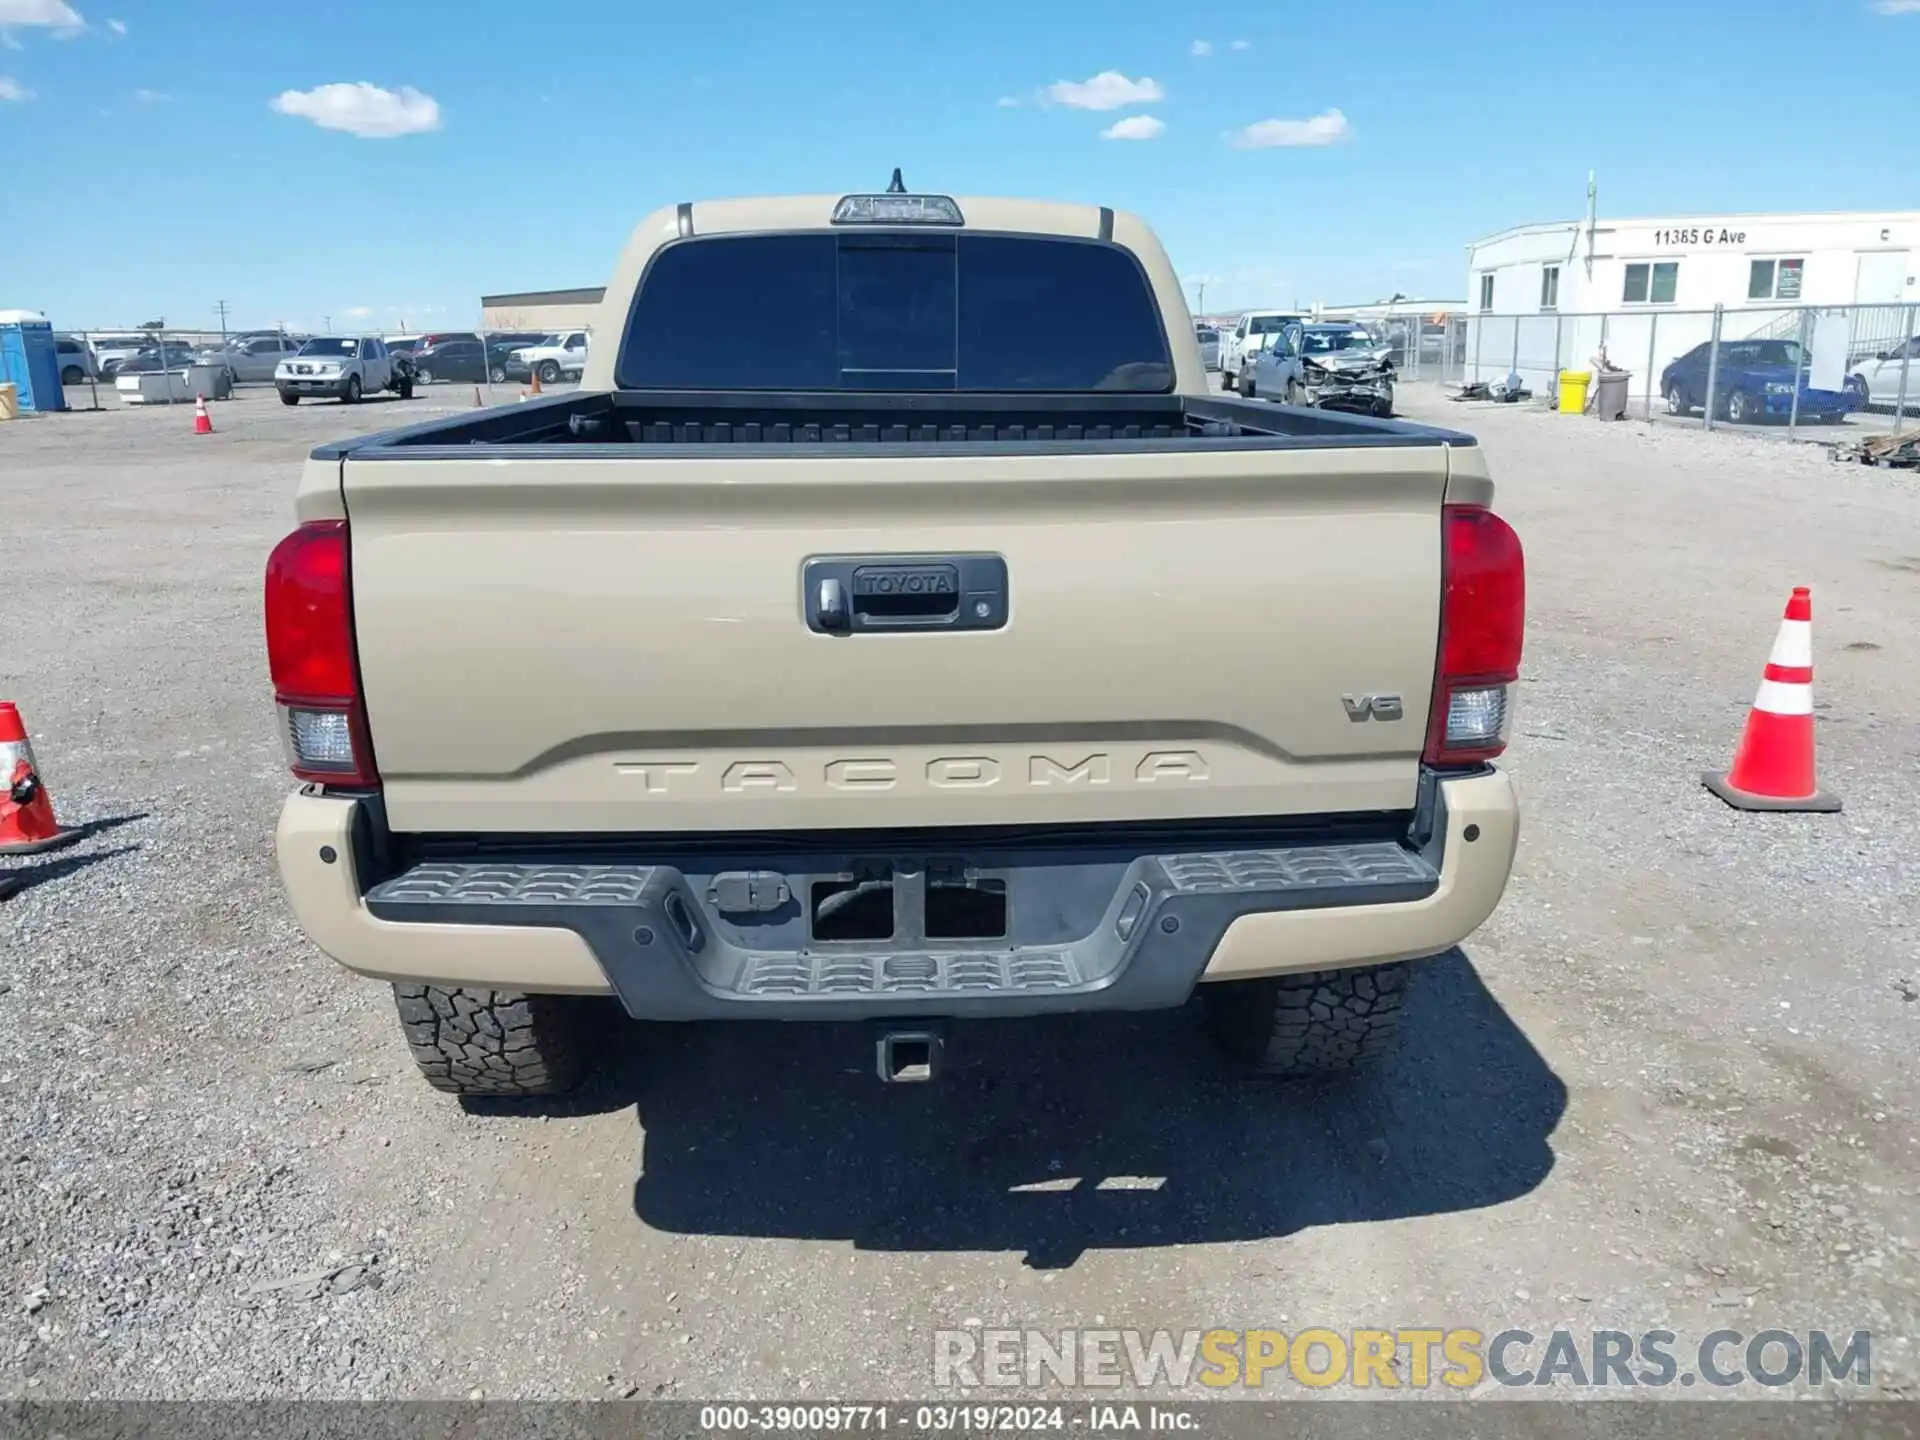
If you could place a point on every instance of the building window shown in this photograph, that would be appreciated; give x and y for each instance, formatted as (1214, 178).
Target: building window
(1550, 287)
(1775, 279)
(1486, 293)
(1652, 284)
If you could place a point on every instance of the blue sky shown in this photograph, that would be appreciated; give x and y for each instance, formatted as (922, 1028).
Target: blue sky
(148, 172)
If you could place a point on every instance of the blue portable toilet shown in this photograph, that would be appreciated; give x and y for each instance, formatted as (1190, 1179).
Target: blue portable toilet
(29, 361)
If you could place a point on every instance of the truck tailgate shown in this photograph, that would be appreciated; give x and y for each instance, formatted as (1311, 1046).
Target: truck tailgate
(621, 643)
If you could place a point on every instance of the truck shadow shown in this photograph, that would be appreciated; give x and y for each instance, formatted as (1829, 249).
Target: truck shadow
(1055, 1137)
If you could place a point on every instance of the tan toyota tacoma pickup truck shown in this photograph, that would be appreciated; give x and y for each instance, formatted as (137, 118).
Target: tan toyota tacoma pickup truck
(893, 626)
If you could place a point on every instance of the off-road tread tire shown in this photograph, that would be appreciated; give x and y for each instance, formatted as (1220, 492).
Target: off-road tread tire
(496, 1043)
(1319, 1022)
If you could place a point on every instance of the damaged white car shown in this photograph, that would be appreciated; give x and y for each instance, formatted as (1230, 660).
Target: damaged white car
(1344, 367)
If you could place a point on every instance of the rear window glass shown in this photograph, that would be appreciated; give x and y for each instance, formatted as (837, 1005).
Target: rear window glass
(887, 310)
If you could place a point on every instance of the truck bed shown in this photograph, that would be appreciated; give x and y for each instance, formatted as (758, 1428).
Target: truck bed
(916, 424)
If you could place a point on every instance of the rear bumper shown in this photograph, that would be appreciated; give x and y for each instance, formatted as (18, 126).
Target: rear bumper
(1157, 923)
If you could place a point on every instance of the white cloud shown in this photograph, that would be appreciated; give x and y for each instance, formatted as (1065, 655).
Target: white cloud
(1134, 127)
(1329, 128)
(54, 15)
(362, 109)
(1109, 90)
(1200, 49)
(153, 97)
(1007, 102)
(13, 91)
(1898, 7)
(360, 312)
(1241, 45)
(119, 27)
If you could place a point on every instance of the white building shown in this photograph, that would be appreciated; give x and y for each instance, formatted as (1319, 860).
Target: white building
(1547, 297)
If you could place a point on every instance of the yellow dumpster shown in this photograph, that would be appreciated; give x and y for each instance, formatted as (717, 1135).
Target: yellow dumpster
(1573, 391)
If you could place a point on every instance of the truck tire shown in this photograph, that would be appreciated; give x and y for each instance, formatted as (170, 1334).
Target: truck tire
(549, 373)
(352, 396)
(288, 397)
(73, 375)
(492, 1042)
(1246, 386)
(1318, 1022)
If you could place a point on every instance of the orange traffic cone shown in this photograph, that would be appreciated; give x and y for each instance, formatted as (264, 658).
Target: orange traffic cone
(202, 422)
(534, 388)
(1773, 768)
(27, 825)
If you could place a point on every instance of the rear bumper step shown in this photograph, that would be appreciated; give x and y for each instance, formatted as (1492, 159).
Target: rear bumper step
(1128, 931)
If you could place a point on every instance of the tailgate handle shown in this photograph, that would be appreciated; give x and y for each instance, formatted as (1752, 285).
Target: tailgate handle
(854, 594)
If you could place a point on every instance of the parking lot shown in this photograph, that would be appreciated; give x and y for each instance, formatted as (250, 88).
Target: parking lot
(1670, 1085)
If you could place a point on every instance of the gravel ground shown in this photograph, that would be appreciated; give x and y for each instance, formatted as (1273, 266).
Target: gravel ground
(1672, 1083)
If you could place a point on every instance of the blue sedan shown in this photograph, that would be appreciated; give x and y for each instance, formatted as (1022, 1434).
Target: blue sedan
(1754, 381)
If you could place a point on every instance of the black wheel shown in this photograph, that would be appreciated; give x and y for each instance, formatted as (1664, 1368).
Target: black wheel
(1246, 386)
(423, 376)
(73, 375)
(1677, 400)
(1318, 1022)
(1741, 408)
(493, 1042)
(352, 397)
(549, 373)
(288, 398)
(1383, 410)
(499, 375)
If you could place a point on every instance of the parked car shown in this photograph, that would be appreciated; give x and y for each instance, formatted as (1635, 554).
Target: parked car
(441, 337)
(171, 355)
(1209, 339)
(1753, 381)
(557, 356)
(1272, 372)
(1255, 331)
(113, 351)
(1877, 381)
(253, 357)
(78, 363)
(502, 363)
(1346, 367)
(345, 367)
(449, 360)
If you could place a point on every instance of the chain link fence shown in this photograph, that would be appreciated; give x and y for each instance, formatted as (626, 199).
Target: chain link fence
(1797, 365)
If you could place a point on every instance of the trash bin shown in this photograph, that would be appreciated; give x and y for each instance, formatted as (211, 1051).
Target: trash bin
(1610, 395)
(9, 402)
(1573, 391)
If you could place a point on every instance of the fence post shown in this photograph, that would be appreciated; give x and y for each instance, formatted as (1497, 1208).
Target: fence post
(1514, 367)
(1793, 414)
(1906, 364)
(1653, 331)
(1713, 363)
(1553, 392)
(1479, 334)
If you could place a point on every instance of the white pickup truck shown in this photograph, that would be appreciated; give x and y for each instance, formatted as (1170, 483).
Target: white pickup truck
(342, 367)
(557, 356)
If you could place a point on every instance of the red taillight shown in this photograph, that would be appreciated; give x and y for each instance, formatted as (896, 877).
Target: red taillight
(316, 682)
(1483, 610)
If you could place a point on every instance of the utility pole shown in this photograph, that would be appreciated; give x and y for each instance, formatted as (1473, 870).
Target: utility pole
(326, 323)
(1203, 297)
(220, 306)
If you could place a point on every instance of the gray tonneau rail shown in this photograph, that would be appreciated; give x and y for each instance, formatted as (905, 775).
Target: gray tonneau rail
(908, 424)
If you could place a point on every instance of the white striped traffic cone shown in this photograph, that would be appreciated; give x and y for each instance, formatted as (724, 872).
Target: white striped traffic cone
(1773, 768)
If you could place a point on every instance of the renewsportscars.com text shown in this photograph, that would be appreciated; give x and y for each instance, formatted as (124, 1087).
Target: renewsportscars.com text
(1409, 1358)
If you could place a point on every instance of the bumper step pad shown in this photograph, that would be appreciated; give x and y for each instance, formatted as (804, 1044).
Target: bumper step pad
(1157, 923)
